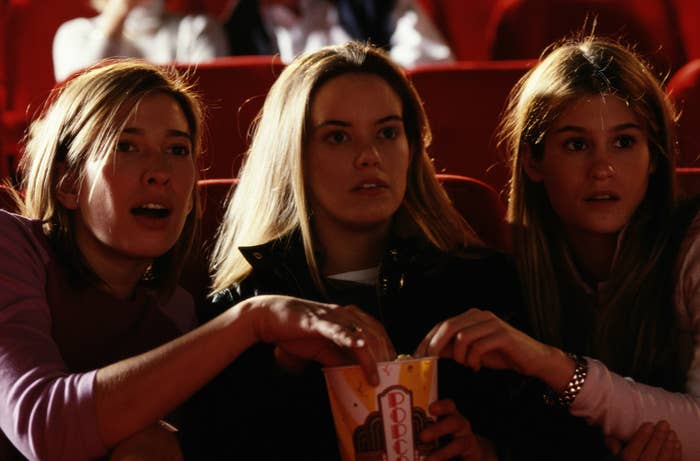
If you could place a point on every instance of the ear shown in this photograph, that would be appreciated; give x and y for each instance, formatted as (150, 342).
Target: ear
(67, 190)
(531, 166)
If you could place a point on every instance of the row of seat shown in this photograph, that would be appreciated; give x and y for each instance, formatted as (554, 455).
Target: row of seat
(478, 202)
(463, 142)
(234, 88)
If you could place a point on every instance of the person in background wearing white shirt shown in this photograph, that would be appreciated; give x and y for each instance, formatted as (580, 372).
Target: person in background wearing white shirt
(293, 27)
(137, 29)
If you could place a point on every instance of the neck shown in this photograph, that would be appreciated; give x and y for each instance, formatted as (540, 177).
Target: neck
(594, 253)
(117, 273)
(347, 250)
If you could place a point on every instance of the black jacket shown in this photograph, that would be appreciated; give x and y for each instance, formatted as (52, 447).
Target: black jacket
(254, 406)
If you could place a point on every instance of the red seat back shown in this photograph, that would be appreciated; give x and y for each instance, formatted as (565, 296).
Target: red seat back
(688, 181)
(481, 206)
(464, 103)
(195, 275)
(522, 29)
(463, 23)
(684, 91)
(7, 201)
(233, 89)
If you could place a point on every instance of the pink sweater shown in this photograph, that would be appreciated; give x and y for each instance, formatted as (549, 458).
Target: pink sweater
(53, 337)
(619, 405)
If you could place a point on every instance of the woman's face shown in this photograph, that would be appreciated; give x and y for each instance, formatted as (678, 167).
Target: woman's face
(134, 206)
(357, 155)
(595, 167)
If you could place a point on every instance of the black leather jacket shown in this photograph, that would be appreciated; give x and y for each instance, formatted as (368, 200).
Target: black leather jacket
(254, 406)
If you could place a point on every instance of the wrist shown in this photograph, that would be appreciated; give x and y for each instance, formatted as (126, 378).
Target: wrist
(558, 371)
(243, 319)
(565, 397)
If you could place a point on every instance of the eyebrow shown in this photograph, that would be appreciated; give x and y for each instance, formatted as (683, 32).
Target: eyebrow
(388, 118)
(579, 129)
(169, 132)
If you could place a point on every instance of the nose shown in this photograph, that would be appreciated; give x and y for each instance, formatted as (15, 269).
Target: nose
(368, 156)
(602, 167)
(157, 169)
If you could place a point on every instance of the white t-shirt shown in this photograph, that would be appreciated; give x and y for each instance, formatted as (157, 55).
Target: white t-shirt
(78, 43)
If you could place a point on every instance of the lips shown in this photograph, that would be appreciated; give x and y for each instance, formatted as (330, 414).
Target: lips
(151, 210)
(371, 184)
(603, 196)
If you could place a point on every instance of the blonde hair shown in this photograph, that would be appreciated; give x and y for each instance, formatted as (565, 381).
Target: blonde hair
(270, 200)
(82, 121)
(574, 69)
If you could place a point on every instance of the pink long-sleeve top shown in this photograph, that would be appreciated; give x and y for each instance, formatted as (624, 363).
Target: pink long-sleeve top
(620, 405)
(54, 335)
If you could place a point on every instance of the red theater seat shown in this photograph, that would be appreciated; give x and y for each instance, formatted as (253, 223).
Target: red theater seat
(464, 102)
(523, 28)
(195, 274)
(481, 206)
(233, 90)
(6, 200)
(688, 181)
(684, 91)
(26, 36)
(463, 23)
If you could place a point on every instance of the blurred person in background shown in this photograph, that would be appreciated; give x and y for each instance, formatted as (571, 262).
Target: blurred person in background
(139, 29)
(292, 27)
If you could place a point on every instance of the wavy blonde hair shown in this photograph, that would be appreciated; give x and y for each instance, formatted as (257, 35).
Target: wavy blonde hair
(632, 331)
(271, 200)
(82, 121)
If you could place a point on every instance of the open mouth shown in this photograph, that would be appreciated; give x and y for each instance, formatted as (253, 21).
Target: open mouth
(602, 198)
(151, 210)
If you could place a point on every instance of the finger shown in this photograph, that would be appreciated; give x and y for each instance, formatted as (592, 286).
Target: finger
(667, 449)
(656, 441)
(613, 444)
(442, 407)
(459, 347)
(376, 327)
(636, 445)
(368, 363)
(678, 451)
(422, 349)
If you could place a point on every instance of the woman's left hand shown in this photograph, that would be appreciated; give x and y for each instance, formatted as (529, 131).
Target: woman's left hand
(463, 444)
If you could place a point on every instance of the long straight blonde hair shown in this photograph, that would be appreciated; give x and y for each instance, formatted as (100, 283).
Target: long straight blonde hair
(82, 122)
(271, 201)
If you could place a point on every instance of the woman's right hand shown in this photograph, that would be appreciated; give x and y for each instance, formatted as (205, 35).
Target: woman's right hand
(651, 442)
(479, 338)
(326, 333)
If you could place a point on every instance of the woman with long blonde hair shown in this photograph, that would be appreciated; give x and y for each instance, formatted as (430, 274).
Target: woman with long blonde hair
(338, 201)
(94, 342)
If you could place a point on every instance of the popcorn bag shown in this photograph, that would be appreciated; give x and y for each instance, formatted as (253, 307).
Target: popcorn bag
(382, 423)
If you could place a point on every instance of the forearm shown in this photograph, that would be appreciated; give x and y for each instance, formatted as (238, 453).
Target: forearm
(133, 393)
(619, 406)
